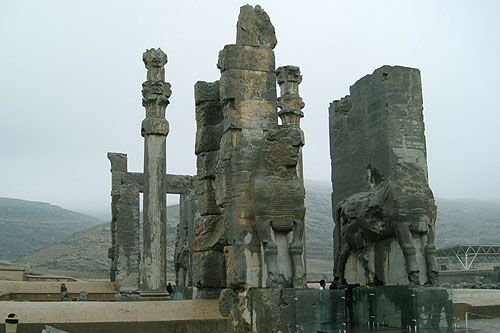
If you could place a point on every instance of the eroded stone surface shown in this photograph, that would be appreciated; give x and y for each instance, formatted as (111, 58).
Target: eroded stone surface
(254, 28)
(250, 192)
(278, 201)
(380, 185)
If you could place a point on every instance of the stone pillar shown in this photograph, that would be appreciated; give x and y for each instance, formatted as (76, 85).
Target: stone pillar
(154, 129)
(124, 252)
(290, 113)
(290, 102)
(127, 237)
(118, 170)
(383, 207)
(248, 99)
(209, 238)
(183, 255)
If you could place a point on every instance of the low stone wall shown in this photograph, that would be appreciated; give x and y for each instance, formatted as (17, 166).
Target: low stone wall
(470, 277)
(51, 291)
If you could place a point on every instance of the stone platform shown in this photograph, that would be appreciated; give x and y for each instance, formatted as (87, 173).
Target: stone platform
(123, 317)
(403, 306)
(314, 310)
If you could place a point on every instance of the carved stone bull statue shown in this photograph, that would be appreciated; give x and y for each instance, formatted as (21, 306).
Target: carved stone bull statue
(388, 209)
(278, 202)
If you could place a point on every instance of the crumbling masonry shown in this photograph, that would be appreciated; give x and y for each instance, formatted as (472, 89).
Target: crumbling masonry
(241, 233)
(250, 229)
(383, 208)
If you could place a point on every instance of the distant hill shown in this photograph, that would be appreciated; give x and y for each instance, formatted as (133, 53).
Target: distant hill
(459, 221)
(467, 221)
(28, 225)
(319, 221)
(85, 253)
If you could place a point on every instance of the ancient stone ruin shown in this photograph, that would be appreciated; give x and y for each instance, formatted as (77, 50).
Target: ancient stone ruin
(250, 192)
(241, 234)
(131, 267)
(383, 208)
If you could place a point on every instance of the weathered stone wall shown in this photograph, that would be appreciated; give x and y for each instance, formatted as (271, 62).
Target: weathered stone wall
(183, 254)
(124, 251)
(209, 235)
(382, 205)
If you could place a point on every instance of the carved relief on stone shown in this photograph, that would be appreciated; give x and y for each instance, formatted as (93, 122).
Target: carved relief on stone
(388, 210)
(278, 203)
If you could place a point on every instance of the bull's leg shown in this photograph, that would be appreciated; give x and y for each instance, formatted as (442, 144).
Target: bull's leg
(430, 259)
(296, 249)
(182, 277)
(342, 259)
(403, 234)
(270, 252)
(365, 261)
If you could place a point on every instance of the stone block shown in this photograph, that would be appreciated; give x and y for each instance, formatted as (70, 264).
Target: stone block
(206, 163)
(207, 138)
(227, 300)
(249, 114)
(209, 269)
(255, 28)
(206, 91)
(209, 233)
(208, 113)
(182, 293)
(403, 306)
(296, 310)
(179, 184)
(245, 57)
(118, 161)
(206, 293)
(206, 198)
(242, 265)
(248, 84)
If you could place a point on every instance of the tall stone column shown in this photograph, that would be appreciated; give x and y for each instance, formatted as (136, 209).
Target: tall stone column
(290, 102)
(154, 129)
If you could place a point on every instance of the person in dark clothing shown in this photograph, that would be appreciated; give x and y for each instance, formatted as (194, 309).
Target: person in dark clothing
(64, 292)
(349, 299)
(170, 290)
(337, 284)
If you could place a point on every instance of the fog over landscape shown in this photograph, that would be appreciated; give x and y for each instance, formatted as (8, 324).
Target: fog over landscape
(71, 75)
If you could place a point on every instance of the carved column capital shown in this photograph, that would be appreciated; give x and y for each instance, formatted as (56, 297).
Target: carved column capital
(290, 102)
(289, 79)
(155, 60)
(155, 91)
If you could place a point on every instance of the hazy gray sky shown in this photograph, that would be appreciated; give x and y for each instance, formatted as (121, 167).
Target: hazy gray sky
(71, 75)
